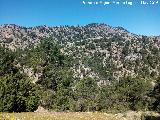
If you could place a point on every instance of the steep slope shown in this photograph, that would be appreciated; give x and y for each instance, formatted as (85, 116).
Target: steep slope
(98, 50)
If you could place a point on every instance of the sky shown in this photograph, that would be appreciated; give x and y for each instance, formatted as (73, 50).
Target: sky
(136, 18)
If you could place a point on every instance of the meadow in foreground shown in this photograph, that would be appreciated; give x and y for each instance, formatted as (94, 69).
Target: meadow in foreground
(57, 116)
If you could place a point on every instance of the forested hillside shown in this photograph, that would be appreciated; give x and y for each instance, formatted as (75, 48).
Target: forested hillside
(78, 68)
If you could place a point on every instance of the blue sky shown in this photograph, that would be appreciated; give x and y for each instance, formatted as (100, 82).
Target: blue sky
(139, 19)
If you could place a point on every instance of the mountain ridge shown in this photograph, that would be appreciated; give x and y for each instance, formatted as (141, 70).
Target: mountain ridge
(92, 30)
(89, 24)
(91, 44)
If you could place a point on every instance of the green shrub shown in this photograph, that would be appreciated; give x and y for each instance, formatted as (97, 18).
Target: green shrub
(18, 94)
(156, 96)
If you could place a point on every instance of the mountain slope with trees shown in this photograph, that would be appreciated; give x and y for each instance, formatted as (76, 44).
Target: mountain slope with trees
(78, 68)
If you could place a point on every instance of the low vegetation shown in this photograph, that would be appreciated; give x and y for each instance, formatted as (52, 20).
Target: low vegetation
(56, 116)
(80, 116)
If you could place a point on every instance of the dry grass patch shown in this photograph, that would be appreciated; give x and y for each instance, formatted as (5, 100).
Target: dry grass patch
(57, 116)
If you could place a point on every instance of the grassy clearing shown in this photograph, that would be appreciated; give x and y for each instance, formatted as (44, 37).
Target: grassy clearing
(56, 116)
